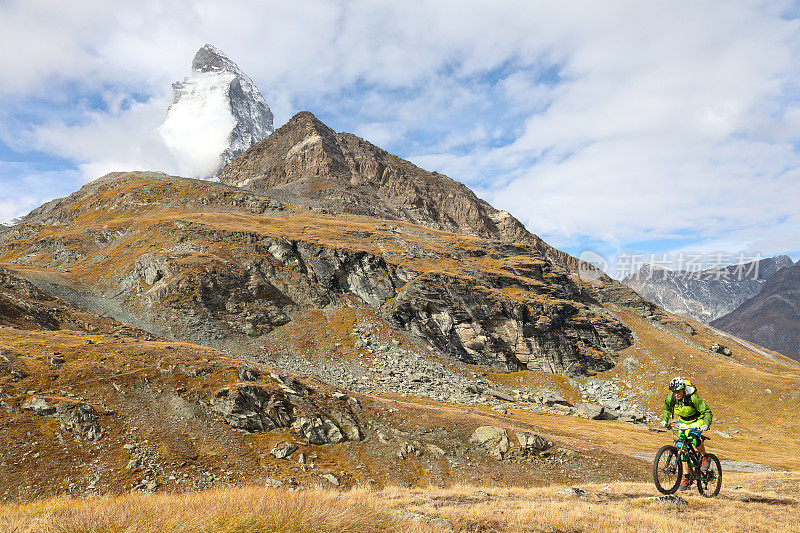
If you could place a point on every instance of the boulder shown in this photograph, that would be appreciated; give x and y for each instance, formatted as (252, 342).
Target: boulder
(672, 499)
(435, 451)
(252, 408)
(545, 398)
(720, 349)
(255, 409)
(611, 405)
(590, 411)
(493, 439)
(633, 416)
(500, 395)
(440, 524)
(348, 425)
(332, 479)
(247, 373)
(39, 406)
(531, 443)
(318, 431)
(553, 400)
(575, 491)
(283, 450)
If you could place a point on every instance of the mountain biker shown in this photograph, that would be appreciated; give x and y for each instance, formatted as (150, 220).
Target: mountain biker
(693, 414)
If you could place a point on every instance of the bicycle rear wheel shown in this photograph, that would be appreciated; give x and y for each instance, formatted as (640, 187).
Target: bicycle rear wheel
(708, 484)
(667, 469)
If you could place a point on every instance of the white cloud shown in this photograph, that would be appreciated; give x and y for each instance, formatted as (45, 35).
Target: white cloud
(108, 142)
(199, 123)
(25, 186)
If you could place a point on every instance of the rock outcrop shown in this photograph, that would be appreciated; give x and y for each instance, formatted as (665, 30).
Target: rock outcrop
(256, 409)
(493, 439)
(18, 304)
(80, 419)
(481, 301)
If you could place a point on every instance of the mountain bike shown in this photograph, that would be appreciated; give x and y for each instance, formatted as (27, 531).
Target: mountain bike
(668, 464)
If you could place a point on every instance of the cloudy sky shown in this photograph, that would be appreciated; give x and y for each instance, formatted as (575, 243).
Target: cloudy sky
(617, 127)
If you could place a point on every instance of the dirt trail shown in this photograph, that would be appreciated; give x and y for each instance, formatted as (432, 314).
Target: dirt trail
(85, 298)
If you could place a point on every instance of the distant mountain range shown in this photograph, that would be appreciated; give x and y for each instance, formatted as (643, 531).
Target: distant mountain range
(772, 317)
(708, 294)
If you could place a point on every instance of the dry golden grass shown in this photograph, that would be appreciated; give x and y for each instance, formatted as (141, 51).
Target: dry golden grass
(756, 502)
(232, 510)
(614, 507)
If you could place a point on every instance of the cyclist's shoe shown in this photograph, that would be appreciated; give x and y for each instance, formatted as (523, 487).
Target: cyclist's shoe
(685, 484)
(705, 463)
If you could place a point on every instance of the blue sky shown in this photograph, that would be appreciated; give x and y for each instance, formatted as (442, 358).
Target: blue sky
(615, 127)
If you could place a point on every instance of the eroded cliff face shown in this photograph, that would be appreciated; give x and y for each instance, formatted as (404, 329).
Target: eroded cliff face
(479, 317)
(205, 262)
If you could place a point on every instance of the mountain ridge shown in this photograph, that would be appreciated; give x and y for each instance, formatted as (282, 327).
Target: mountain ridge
(707, 294)
(352, 167)
(770, 318)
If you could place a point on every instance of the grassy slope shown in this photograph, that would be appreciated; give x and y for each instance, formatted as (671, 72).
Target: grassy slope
(771, 501)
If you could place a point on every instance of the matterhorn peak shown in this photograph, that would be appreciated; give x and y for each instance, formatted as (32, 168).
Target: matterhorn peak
(211, 59)
(215, 114)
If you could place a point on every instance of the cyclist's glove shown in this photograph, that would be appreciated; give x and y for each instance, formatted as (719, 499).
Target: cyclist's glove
(704, 428)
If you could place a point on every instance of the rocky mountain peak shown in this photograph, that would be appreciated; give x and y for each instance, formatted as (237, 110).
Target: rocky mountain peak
(215, 114)
(307, 162)
(212, 59)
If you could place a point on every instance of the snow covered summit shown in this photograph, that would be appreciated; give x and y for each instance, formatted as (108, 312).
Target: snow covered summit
(215, 114)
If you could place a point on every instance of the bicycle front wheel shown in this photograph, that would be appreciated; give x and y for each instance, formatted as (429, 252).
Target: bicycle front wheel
(667, 469)
(708, 484)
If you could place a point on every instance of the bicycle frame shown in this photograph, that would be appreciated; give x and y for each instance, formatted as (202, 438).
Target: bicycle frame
(688, 453)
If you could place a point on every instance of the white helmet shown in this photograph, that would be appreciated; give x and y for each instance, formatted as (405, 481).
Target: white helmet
(676, 384)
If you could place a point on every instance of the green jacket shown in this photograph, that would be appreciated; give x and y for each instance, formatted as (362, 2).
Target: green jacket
(689, 409)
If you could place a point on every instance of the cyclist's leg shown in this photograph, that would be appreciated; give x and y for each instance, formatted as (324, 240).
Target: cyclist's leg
(697, 424)
(685, 427)
(705, 461)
